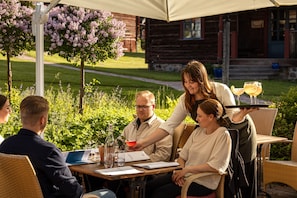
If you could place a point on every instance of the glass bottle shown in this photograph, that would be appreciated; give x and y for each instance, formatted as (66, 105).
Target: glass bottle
(109, 148)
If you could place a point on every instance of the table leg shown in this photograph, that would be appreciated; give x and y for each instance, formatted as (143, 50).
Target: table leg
(260, 191)
(137, 187)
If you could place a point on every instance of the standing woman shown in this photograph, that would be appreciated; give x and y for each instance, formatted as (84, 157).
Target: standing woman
(197, 89)
(5, 111)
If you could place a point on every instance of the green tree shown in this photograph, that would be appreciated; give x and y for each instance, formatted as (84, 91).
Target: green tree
(15, 32)
(83, 35)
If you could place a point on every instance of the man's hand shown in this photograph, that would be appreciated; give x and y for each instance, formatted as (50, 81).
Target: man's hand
(138, 146)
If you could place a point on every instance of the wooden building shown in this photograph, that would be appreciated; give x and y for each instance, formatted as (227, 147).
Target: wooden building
(262, 42)
(133, 31)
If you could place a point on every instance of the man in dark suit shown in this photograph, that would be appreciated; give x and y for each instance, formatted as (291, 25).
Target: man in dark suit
(53, 174)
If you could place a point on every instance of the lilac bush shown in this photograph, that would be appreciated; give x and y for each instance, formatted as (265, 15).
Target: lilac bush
(15, 31)
(79, 34)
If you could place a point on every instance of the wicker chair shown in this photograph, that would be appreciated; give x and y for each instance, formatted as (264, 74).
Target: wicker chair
(18, 178)
(219, 193)
(282, 171)
(180, 136)
(264, 119)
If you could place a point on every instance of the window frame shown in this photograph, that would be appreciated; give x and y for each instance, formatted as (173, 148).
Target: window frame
(193, 21)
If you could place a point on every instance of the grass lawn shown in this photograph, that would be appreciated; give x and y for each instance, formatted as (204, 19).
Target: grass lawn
(132, 64)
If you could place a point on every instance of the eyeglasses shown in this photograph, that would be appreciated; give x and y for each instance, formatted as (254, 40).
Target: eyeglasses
(142, 106)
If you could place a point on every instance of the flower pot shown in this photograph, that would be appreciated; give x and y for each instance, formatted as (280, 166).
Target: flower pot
(217, 72)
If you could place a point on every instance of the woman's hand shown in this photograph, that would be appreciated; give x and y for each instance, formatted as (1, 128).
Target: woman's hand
(239, 116)
(178, 177)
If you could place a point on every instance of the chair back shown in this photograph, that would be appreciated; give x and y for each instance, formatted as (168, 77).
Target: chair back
(189, 128)
(264, 119)
(18, 177)
(294, 145)
(178, 131)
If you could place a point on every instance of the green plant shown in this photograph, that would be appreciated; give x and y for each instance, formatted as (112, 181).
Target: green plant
(285, 122)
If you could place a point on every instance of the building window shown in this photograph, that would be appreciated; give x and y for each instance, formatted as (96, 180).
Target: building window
(192, 29)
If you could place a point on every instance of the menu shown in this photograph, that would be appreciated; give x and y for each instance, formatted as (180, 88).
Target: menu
(124, 170)
(154, 165)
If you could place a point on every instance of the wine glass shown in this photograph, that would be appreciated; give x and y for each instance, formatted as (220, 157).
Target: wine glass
(250, 88)
(131, 139)
(238, 92)
(259, 91)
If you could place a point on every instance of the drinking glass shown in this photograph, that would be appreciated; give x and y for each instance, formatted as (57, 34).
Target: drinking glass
(108, 160)
(258, 92)
(250, 88)
(131, 139)
(238, 92)
(120, 157)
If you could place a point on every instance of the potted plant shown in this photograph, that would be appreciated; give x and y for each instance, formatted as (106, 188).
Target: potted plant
(217, 70)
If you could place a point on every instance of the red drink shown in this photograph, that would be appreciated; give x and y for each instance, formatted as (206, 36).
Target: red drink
(130, 143)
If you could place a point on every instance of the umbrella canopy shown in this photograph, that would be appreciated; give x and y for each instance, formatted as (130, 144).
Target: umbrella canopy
(173, 10)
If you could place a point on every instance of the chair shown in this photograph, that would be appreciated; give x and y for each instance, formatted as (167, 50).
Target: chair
(18, 178)
(180, 136)
(178, 131)
(264, 121)
(219, 193)
(282, 171)
(189, 128)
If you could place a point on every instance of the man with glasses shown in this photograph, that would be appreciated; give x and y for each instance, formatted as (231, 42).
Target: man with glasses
(145, 123)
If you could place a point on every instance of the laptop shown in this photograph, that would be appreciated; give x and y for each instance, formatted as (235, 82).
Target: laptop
(77, 157)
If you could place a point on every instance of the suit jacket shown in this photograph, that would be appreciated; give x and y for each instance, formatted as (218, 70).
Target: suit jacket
(53, 174)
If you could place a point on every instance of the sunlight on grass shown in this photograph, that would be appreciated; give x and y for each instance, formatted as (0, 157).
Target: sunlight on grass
(128, 61)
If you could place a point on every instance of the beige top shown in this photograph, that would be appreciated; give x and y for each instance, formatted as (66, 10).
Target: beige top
(213, 149)
(159, 151)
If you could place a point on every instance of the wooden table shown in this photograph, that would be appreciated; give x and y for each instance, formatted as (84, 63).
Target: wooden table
(136, 181)
(264, 140)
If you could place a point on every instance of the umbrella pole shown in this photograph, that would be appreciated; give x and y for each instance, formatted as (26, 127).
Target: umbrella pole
(226, 50)
(40, 16)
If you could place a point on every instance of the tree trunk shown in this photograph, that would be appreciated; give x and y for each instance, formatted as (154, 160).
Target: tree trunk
(82, 85)
(9, 75)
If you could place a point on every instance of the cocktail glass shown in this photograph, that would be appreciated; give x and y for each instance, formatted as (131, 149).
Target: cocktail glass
(258, 92)
(238, 92)
(250, 88)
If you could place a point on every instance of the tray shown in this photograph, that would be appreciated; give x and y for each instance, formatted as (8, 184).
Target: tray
(247, 106)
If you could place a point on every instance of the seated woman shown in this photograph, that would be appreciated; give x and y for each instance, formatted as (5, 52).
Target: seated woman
(208, 149)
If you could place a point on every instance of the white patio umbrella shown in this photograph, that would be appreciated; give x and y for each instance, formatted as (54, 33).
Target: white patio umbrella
(167, 10)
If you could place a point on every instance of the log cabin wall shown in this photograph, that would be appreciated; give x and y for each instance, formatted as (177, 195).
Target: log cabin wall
(130, 39)
(167, 50)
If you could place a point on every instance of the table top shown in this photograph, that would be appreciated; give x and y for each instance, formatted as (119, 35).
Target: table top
(89, 169)
(265, 139)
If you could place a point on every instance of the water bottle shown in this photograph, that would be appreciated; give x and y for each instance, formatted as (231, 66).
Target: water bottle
(109, 148)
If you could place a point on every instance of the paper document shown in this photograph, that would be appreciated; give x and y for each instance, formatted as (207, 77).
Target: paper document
(153, 165)
(119, 171)
(136, 156)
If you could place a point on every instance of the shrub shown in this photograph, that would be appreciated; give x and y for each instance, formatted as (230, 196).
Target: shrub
(70, 130)
(285, 123)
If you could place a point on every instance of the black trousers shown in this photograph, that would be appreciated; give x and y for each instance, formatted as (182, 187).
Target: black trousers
(162, 186)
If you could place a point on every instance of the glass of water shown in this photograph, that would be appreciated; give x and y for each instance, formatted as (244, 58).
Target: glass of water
(120, 158)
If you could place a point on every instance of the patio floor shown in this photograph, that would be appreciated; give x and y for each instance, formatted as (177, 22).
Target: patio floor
(280, 191)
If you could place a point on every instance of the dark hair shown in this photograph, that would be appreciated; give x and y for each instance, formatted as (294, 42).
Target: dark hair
(215, 108)
(32, 107)
(3, 100)
(197, 73)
